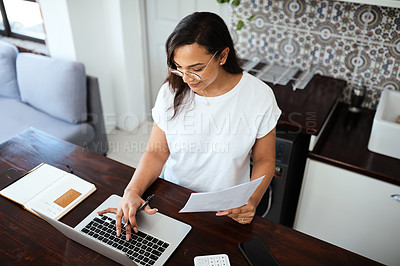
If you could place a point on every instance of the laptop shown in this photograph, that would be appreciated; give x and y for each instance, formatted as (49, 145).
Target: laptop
(158, 236)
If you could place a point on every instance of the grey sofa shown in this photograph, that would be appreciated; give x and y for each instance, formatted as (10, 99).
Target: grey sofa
(52, 95)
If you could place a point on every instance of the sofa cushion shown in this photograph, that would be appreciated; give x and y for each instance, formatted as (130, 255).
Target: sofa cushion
(17, 116)
(54, 86)
(8, 75)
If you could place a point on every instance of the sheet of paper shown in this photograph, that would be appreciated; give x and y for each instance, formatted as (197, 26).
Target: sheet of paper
(221, 200)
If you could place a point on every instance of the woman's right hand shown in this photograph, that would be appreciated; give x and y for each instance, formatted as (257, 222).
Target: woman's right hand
(127, 208)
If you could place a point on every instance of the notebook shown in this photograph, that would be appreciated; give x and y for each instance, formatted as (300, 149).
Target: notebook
(158, 237)
(48, 189)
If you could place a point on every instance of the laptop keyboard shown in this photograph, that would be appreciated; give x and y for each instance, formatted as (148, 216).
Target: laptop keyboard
(141, 248)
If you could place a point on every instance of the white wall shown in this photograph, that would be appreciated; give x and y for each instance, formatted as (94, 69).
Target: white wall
(58, 28)
(105, 35)
(127, 61)
(109, 37)
(161, 19)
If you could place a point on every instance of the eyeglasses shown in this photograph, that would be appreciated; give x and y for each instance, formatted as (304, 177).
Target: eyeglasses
(190, 74)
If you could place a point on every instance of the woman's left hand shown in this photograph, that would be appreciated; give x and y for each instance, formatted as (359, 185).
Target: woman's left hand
(242, 215)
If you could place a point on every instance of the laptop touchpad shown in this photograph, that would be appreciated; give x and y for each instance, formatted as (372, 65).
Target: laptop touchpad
(147, 222)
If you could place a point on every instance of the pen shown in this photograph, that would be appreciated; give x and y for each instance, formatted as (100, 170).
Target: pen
(148, 199)
(69, 168)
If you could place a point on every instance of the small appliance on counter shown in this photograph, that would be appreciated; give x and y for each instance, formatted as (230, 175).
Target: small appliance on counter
(357, 96)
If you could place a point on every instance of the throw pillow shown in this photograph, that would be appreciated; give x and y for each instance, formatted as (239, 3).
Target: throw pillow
(8, 75)
(54, 86)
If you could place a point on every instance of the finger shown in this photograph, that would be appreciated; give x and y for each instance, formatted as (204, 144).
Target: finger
(240, 212)
(241, 215)
(149, 210)
(223, 213)
(133, 224)
(235, 212)
(126, 214)
(128, 230)
(245, 220)
(108, 210)
(118, 218)
(241, 220)
(238, 216)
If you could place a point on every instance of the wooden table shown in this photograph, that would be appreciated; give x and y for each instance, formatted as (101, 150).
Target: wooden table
(26, 239)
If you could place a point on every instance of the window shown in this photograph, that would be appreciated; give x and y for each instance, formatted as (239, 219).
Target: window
(21, 19)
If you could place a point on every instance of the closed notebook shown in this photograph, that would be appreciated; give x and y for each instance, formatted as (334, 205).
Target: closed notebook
(50, 190)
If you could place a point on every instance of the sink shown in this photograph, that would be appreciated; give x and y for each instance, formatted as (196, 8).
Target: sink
(385, 132)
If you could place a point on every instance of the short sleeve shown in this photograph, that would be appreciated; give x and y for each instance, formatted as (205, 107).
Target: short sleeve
(270, 117)
(161, 107)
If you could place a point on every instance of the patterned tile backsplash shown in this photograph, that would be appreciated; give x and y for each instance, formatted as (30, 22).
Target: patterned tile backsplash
(340, 39)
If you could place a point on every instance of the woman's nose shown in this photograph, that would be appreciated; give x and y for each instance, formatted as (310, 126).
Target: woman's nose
(187, 78)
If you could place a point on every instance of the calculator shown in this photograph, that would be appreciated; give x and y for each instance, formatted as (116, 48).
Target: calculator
(212, 260)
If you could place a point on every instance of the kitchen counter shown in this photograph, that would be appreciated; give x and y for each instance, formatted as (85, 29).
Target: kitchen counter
(344, 142)
(307, 110)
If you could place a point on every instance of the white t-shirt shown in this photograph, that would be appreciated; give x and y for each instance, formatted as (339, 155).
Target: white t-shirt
(210, 145)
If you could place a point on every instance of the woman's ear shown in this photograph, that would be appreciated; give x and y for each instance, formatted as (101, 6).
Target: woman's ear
(224, 56)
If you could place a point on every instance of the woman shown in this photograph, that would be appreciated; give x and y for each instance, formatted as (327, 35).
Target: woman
(209, 117)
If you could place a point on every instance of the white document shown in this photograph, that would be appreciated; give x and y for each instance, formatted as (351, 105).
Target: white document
(226, 199)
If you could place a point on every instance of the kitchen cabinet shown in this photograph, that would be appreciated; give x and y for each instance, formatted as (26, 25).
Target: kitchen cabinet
(350, 210)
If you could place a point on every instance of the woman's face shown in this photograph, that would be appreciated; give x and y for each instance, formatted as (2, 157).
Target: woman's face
(195, 59)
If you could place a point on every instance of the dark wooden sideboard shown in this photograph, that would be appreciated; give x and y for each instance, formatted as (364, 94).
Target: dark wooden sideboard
(307, 110)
